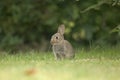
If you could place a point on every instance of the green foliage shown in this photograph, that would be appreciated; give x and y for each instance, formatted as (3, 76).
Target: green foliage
(28, 22)
(116, 2)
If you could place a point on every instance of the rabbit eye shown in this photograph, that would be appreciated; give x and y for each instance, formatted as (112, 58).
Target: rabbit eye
(56, 37)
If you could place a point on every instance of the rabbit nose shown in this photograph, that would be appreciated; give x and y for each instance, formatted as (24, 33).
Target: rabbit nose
(52, 41)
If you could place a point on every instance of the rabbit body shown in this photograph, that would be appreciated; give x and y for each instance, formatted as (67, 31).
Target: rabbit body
(61, 48)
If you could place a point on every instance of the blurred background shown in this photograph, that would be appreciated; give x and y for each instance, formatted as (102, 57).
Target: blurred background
(29, 24)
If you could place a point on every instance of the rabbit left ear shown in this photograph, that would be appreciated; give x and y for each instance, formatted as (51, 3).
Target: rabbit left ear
(61, 29)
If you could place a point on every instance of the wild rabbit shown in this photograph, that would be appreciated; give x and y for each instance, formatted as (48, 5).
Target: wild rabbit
(61, 47)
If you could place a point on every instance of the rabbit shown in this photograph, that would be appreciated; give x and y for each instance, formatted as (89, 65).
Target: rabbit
(62, 49)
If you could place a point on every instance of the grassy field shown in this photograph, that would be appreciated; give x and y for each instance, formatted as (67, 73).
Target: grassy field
(93, 64)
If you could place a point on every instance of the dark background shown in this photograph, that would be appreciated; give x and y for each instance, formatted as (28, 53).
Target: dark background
(29, 24)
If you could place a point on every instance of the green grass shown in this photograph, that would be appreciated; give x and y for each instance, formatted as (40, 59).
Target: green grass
(94, 64)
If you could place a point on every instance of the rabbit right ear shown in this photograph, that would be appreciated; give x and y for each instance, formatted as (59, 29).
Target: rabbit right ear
(61, 29)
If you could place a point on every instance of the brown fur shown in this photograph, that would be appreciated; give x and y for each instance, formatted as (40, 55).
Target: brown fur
(61, 48)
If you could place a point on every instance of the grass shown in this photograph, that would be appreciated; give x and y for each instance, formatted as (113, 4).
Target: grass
(94, 64)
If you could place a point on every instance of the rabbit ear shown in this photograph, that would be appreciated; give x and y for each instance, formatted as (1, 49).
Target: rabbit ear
(61, 29)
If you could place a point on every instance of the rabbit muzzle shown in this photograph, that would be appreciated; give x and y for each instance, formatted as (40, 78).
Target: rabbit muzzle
(53, 41)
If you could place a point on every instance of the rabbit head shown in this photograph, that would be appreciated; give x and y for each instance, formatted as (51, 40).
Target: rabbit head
(59, 36)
